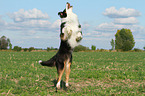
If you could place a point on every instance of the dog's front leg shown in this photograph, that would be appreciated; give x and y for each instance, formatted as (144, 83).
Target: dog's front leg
(79, 36)
(69, 32)
(66, 33)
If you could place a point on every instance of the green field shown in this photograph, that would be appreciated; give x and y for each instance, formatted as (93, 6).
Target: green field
(92, 73)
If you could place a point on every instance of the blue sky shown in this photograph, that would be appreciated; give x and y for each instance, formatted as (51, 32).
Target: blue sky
(35, 22)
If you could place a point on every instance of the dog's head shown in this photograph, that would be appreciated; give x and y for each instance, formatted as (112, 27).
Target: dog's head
(62, 14)
(66, 11)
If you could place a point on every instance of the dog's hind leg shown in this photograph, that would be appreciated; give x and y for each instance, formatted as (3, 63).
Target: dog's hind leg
(60, 70)
(67, 73)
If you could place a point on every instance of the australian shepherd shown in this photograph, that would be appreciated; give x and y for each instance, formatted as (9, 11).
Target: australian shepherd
(70, 35)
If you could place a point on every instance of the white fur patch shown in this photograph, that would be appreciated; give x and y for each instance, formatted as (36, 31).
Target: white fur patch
(71, 29)
(58, 84)
(40, 61)
(67, 64)
(66, 84)
(72, 41)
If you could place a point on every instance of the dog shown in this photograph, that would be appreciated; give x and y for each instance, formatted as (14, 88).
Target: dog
(70, 35)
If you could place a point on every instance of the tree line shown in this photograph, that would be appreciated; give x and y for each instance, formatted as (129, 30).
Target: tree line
(124, 41)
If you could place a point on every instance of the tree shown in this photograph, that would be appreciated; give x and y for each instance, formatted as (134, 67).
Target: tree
(144, 48)
(93, 47)
(9, 43)
(10, 46)
(4, 42)
(112, 44)
(124, 40)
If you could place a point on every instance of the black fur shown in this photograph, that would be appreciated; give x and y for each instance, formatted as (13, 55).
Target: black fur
(61, 27)
(63, 14)
(79, 26)
(64, 53)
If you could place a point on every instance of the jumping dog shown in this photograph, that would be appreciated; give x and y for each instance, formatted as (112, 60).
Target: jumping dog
(70, 35)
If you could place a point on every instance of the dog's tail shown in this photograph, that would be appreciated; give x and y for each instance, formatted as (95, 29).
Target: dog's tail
(50, 63)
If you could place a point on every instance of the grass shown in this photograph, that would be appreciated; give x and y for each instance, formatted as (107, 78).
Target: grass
(92, 73)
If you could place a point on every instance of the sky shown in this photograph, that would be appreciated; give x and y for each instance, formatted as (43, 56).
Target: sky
(35, 23)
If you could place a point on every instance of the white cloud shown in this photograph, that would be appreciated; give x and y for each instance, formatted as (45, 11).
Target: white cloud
(126, 21)
(56, 24)
(32, 21)
(23, 15)
(29, 25)
(112, 28)
(2, 24)
(85, 25)
(108, 27)
(112, 12)
(123, 18)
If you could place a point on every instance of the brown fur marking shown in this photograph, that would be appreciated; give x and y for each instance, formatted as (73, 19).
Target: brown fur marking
(68, 71)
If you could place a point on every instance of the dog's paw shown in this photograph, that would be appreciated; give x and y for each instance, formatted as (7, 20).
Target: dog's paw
(69, 33)
(78, 39)
(79, 36)
(40, 61)
(67, 85)
(58, 85)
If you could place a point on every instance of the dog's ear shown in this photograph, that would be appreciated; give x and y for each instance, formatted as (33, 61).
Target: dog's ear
(67, 5)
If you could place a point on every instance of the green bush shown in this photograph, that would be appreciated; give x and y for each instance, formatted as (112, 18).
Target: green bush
(102, 50)
(80, 48)
(25, 49)
(31, 48)
(17, 48)
(48, 49)
(137, 50)
(53, 48)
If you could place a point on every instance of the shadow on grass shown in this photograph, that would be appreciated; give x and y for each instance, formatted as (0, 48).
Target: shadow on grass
(62, 86)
